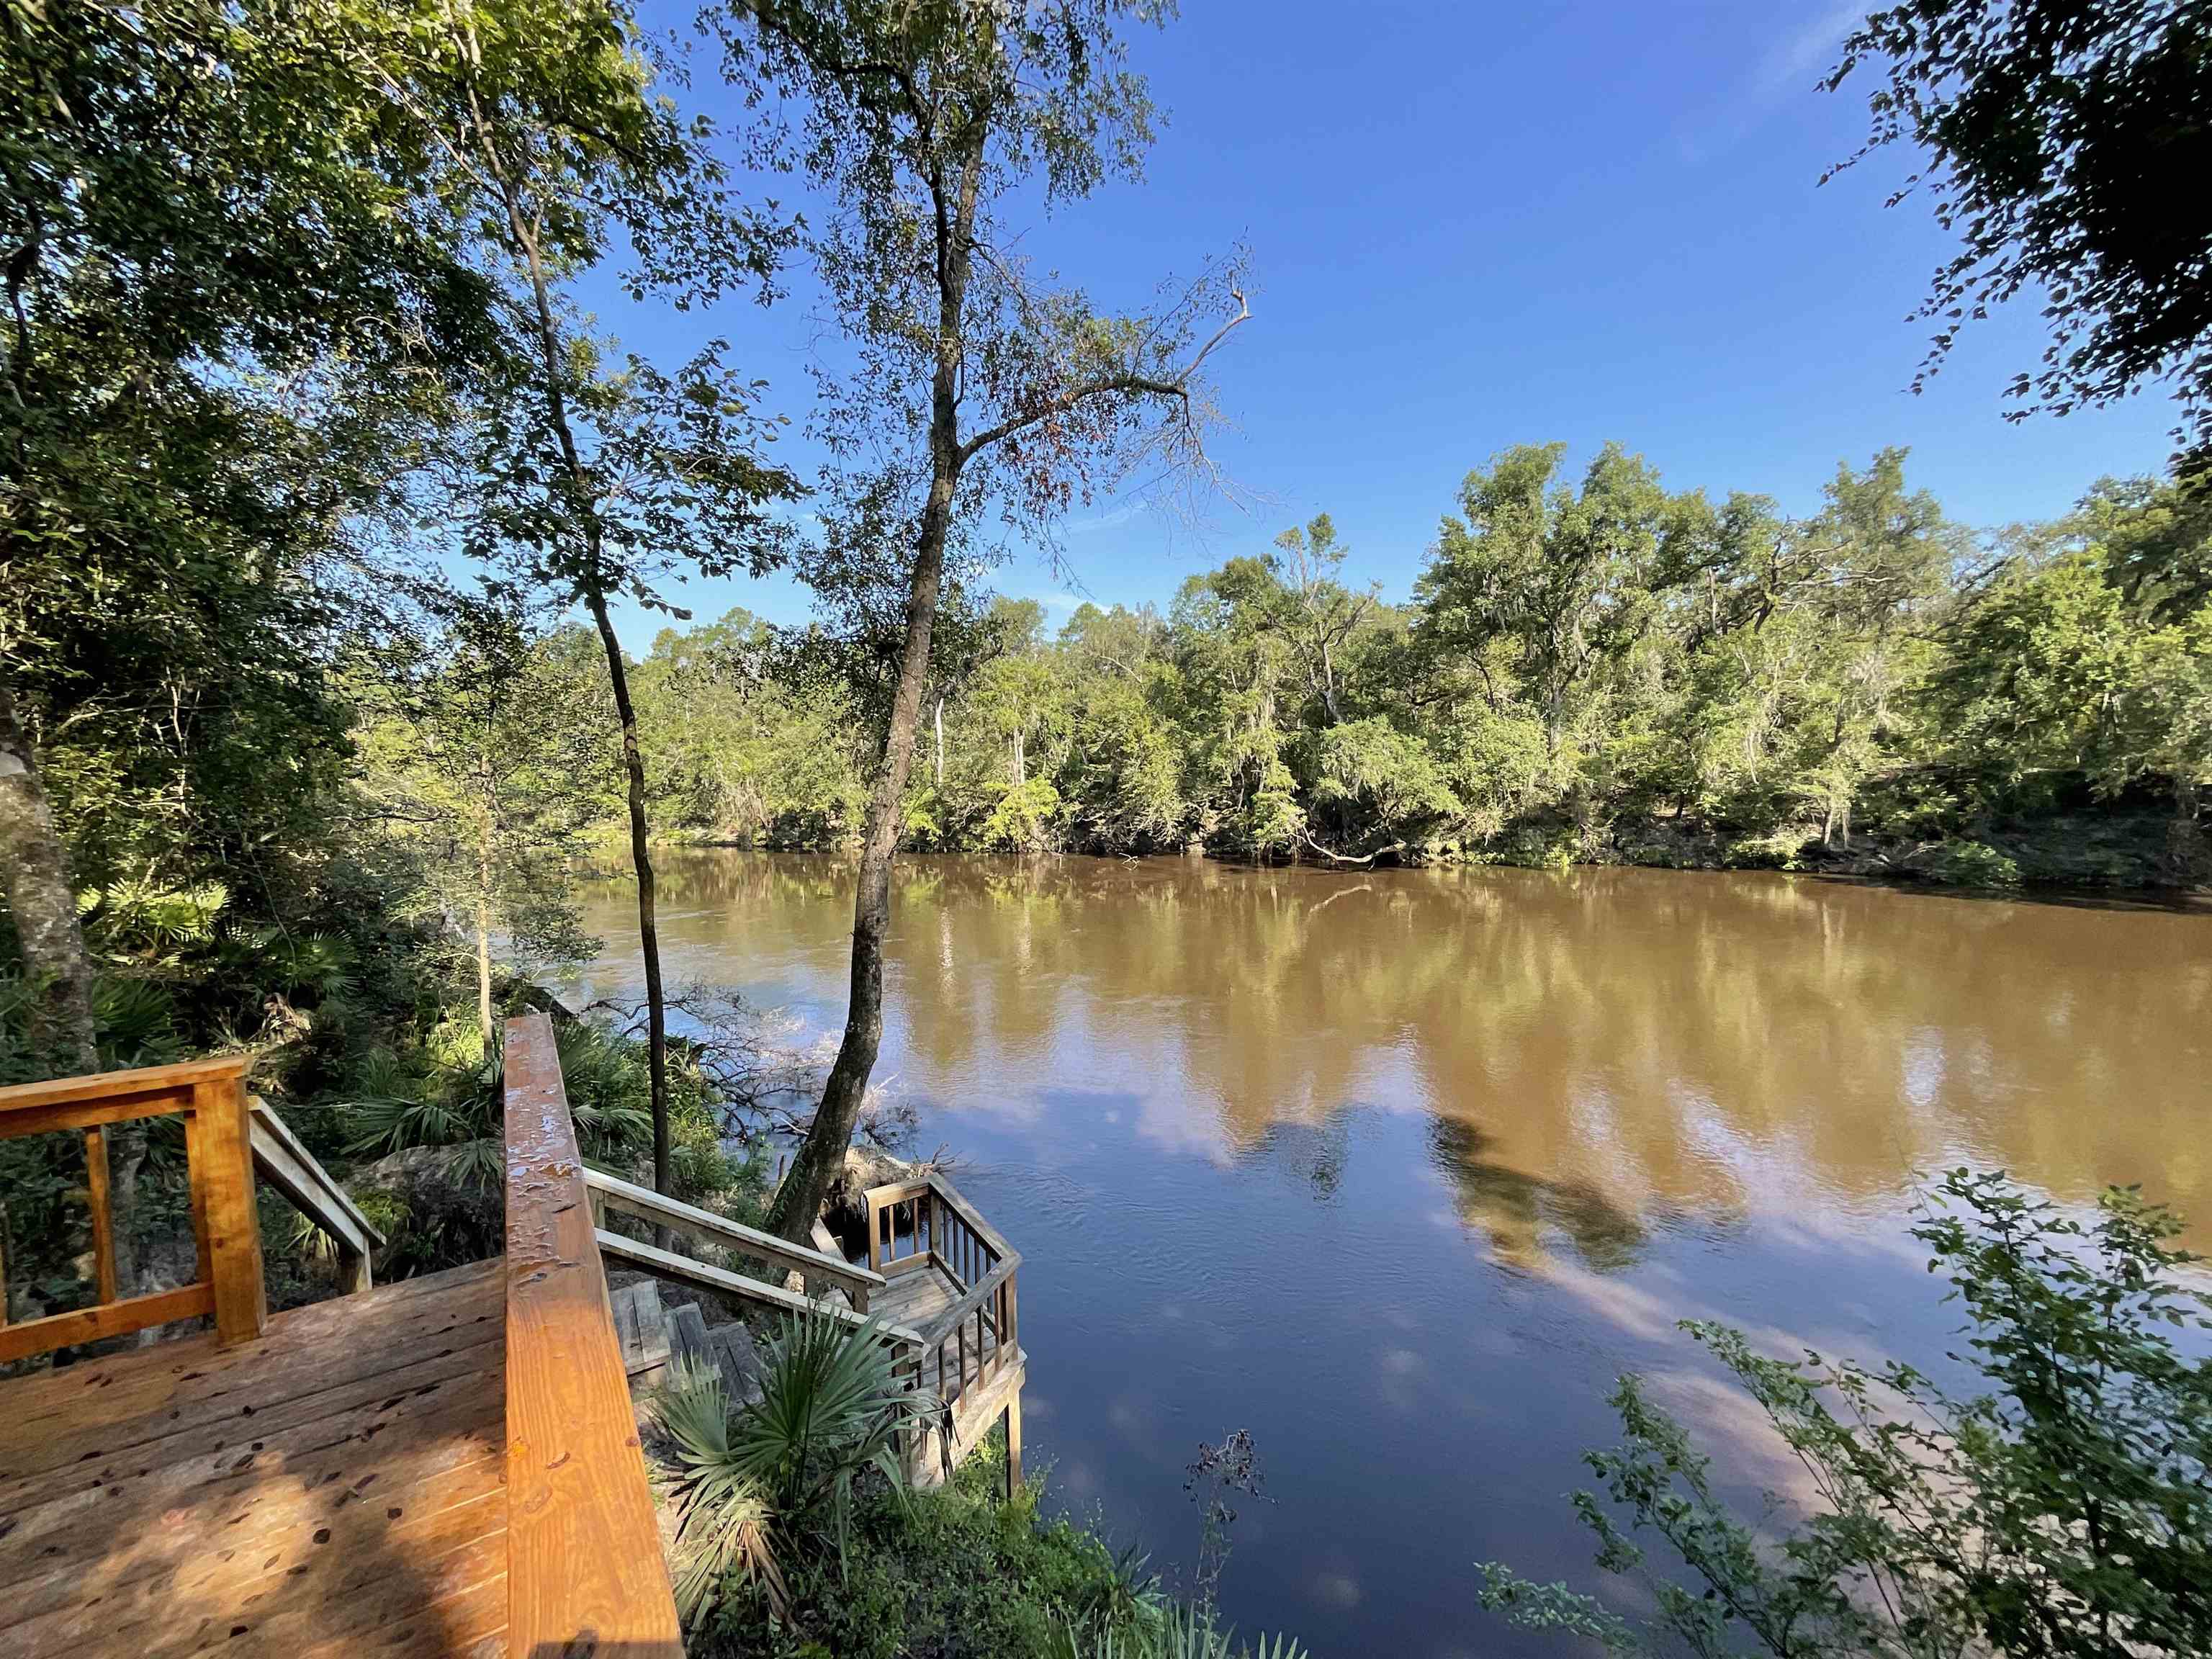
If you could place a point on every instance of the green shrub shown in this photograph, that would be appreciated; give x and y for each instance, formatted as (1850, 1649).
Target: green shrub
(949, 1570)
(796, 1534)
(1968, 864)
(2064, 1509)
(778, 1479)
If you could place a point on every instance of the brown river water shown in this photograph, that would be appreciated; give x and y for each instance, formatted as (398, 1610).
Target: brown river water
(1397, 1171)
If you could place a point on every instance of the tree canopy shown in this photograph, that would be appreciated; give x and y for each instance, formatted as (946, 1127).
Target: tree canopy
(2060, 137)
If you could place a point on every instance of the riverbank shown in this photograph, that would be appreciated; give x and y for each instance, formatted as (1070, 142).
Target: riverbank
(2109, 851)
(2115, 851)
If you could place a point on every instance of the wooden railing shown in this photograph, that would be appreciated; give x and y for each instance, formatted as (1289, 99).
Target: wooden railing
(209, 1096)
(965, 1348)
(585, 1571)
(817, 1270)
(291, 1169)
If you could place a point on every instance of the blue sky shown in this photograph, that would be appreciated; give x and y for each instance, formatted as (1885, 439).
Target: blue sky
(1473, 226)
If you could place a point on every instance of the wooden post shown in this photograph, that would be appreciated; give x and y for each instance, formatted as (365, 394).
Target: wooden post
(219, 1146)
(1013, 1445)
(103, 1218)
(356, 1272)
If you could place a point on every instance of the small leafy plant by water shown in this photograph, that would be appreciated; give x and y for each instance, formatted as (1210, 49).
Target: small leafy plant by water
(788, 1465)
(798, 1534)
(2063, 1509)
(1219, 1473)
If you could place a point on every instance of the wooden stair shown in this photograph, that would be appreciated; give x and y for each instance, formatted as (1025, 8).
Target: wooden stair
(940, 1289)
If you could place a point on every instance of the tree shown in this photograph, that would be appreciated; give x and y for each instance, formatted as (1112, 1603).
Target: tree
(1559, 577)
(1238, 680)
(2157, 537)
(2059, 135)
(186, 285)
(976, 385)
(214, 357)
(478, 756)
(1867, 683)
(743, 746)
(43, 905)
(1323, 615)
(2055, 680)
(595, 482)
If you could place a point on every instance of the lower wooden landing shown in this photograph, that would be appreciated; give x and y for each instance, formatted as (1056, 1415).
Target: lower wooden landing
(988, 1383)
(916, 1297)
(338, 1487)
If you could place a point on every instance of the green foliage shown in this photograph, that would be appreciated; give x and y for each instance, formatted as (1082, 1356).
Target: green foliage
(781, 1475)
(2049, 128)
(483, 757)
(1388, 775)
(798, 1535)
(1174, 1633)
(2064, 1508)
(831, 1410)
(1599, 669)
(2056, 678)
(956, 1570)
(1970, 864)
(723, 1519)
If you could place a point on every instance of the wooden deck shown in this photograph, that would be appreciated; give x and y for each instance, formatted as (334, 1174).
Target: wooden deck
(949, 1276)
(446, 1465)
(336, 1486)
(982, 1385)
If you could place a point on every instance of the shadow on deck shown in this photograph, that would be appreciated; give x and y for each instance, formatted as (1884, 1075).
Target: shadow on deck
(336, 1486)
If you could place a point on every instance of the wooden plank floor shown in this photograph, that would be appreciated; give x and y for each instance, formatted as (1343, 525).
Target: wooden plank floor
(913, 1299)
(338, 1487)
(916, 1298)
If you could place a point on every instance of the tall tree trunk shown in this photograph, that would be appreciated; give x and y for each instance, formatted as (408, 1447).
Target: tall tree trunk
(640, 858)
(580, 490)
(940, 742)
(35, 867)
(821, 1156)
(483, 936)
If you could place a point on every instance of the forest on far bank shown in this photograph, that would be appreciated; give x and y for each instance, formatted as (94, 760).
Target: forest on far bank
(1590, 667)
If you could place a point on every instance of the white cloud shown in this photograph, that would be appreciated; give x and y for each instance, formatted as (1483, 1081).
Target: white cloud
(1787, 70)
(1120, 515)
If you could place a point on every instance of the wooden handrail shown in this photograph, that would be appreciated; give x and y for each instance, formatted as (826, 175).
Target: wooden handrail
(294, 1171)
(978, 1260)
(585, 1571)
(982, 1295)
(960, 1241)
(971, 1384)
(666, 1264)
(992, 1241)
(896, 1191)
(209, 1096)
(648, 1205)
